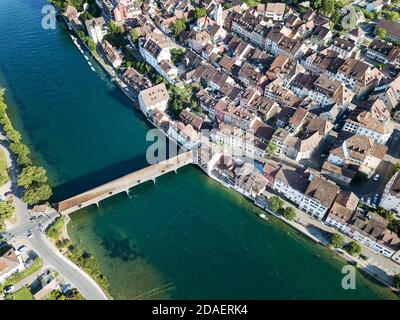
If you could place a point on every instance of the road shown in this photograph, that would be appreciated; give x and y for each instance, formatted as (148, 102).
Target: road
(49, 252)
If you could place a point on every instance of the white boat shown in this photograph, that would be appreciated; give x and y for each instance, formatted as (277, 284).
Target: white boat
(93, 69)
(89, 63)
(86, 57)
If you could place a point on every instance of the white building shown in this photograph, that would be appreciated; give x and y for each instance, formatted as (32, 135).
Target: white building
(391, 194)
(96, 28)
(239, 141)
(290, 184)
(9, 264)
(155, 50)
(342, 210)
(154, 98)
(185, 136)
(319, 197)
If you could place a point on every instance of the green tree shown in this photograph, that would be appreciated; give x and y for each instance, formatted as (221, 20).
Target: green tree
(199, 13)
(328, 7)
(393, 16)
(251, 3)
(6, 212)
(134, 35)
(316, 4)
(37, 194)
(289, 213)
(91, 44)
(394, 225)
(353, 248)
(115, 35)
(176, 55)
(179, 26)
(14, 136)
(336, 240)
(381, 33)
(396, 281)
(275, 203)
(22, 152)
(227, 5)
(336, 17)
(271, 148)
(396, 168)
(30, 175)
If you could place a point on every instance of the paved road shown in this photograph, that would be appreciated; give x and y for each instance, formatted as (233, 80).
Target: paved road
(49, 253)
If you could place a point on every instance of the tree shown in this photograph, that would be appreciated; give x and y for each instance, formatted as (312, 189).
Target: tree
(30, 175)
(271, 147)
(394, 225)
(6, 212)
(115, 34)
(179, 26)
(336, 17)
(134, 35)
(176, 55)
(37, 194)
(396, 281)
(328, 7)
(289, 213)
(316, 4)
(393, 16)
(353, 248)
(396, 168)
(250, 3)
(275, 203)
(381, 33)
(227, 5)
(22, 152)
(199, 13)
(336, 240)
(14, 136)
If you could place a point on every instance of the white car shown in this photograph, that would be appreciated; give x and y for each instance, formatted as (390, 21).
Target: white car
(21, 249)
(376, 178)
(8, 289)
(369, 200)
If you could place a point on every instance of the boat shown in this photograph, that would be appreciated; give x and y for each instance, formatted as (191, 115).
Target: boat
(89, 63)
(86, 57)
(92, 69)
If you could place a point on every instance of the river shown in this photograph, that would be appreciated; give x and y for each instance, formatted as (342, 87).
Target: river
(181, 238)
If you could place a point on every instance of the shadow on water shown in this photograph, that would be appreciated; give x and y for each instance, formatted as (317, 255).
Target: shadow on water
(120, 247)
(101, 176)
(98, 177)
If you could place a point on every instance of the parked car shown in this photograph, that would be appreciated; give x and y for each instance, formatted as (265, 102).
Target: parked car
(8, 289)
(29, 235)
(68, 288)
(369, 200)
(21, 249)
(376, 177)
